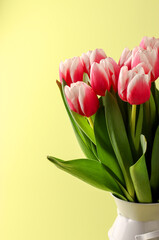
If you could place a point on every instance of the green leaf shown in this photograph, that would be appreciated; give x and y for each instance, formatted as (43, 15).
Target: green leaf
(86, 78)
(84, 125)
(123, 108)
(104, 147)
(119, 139)
(94, 149)
(157, 101)
(81, 137)
(150, 119)
(140, 178)
(125, 192)
(90, 171)
(138, 128)
(143, 143)
(155, 94)
(152, 110)
(154, 180)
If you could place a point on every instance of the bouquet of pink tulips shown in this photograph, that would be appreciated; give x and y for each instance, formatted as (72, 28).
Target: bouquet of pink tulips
(114, 111)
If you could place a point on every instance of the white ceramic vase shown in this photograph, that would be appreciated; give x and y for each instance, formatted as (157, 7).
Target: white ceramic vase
(135, 221)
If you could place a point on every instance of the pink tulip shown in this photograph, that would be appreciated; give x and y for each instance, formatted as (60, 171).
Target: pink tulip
(113, 69)
(85, 58)
(149, 59)
(82, 99)
(134, 85)
(90, 57)
(104, 75)
(148, 42)
(99, 78)
(71, 70)
(152, 44)
(125, 59)
(97, 55)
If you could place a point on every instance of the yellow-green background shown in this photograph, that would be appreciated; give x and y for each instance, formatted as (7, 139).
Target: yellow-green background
(37, 200)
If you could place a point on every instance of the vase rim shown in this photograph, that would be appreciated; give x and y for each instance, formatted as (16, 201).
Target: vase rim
(137, 211)
(118, 199)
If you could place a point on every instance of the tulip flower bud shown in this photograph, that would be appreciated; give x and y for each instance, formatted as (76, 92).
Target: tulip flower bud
(90, 57)
(85, 58)
(71, 70)
(64, 71)
(134, 85)
(125, 59)
(113, 69)
(82, 99)
(148, 42)
(104, 75)
(99, 78)
(97, 55)
(149, 59)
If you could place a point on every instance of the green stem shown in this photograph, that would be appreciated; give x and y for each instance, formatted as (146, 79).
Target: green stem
(147, 112)
(90, 122)
(133, 120)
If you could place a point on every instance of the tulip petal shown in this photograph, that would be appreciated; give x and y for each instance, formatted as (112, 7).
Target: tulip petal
(147, 57)
(76, 70)
(99, 79)
(88, 100)
(114, 70)
(91, 103)
(71, 98)
(142, 43)
(97, 55)
(156, 67)
(136, 57)
(123, 83)
(149, 42)
(138, 90)
(81, 96)
(86, 63)
(64, 71)
(125, 59)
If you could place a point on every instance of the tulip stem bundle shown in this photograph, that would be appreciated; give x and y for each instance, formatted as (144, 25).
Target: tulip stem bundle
(114, 111)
